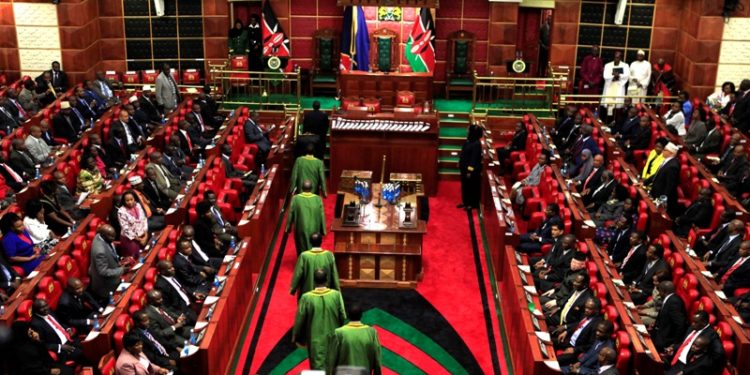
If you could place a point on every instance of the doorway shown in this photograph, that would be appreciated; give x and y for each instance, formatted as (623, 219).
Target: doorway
(533, 25)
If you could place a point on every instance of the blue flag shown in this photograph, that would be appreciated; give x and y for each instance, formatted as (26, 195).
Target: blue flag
(355, 40)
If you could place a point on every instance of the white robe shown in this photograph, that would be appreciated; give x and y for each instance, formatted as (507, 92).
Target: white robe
(614, 87)
(640, 72)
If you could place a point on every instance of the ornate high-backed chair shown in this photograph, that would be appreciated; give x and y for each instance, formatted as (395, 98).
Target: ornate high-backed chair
(460, 62)
(326, 57)
(384, 51)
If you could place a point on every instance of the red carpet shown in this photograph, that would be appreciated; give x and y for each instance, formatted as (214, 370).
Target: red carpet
(450, 287)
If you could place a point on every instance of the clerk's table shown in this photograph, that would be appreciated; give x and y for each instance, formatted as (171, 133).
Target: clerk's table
(378, 251)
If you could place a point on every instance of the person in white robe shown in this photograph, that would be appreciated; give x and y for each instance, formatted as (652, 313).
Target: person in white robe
(640, 77)
(616, 74)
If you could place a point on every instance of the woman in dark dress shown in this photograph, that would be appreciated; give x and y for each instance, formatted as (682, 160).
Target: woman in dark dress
(470, 167)
(58, 220)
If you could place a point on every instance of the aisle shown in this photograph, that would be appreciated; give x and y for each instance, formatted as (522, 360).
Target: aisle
(446, 326)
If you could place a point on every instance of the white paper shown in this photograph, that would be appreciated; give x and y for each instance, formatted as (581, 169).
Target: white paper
(641, 328)
(553, 365)
(721, 295)
(590, 223)
(108, 310)
(242, 222)
(538, 312)
(136, 266)
(629, 304)
(228, 258)
(123, 287)
(707, 274)
(192, 349)
(82, 197)
(576, 195)
(210, 300)
(544, 336)
(618, 282)
(31, 275)
(200, 325)
(171, 210)
(531, 289)
(524, 268)
(92, 335)
(738, 319)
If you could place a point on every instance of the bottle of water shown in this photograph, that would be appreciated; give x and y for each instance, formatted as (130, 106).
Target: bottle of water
(91, 122)
(232, 244)
(186, 348)
(2, 310)
(596, 112)
(153, 242)
(95, 318)
(217, 283)
(116, 175)
(262, 170)
(112, 298)
(38, 174)
(201, 162)
(193, 338)
(142, 259)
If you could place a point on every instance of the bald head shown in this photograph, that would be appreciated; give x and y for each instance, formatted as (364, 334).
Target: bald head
(320, 277)
(607, 356)
(736, 226)
(307, 186)
(154, 295)
(666, 288)
(107, 232)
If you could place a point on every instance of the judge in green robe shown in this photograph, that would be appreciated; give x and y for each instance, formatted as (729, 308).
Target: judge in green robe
(354, 345)
(309, 168)
(307, 215)
(319, 312)
(311, 260)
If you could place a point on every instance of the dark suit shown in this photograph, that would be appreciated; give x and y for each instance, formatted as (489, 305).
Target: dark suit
(151, 351)
(516, 144)
(189, 274)
(599, 195)
(634, 266)
(733, 173)
(67, 127)
(51, 340)
(150, 109)
(640, 139)
(699, 213)
(584, 144)
(316, 122)
(172, 299)
(10, 181)
(710, 144)
(85, 109)
(575, 312)
(254, 135)
(470, 162)
(724, 254)
(59, 80)
(700, 364)
(585, 339)
(248, 181)
(47, 137)
(156, 198)
(68, 203)
(665, 182)
(204, 237)
(161, 322)
(22, 163)
(714, 239)
(544, 232)
(559, 265)
(74, 310)
(741, 114)
(645, 281)
(132, 145)
(714, 352)
(6, 279)
(590, 359)
(118, 152)
(671, 322)
(629, 127)
(739, 278)
(619, 245)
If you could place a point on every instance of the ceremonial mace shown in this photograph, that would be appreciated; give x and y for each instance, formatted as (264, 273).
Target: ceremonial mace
(382, 174)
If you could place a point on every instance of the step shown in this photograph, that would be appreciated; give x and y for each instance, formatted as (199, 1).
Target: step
(444, 147)
(452, 133)
(448, 159)
(455, 106)
(449, 171)
(454, 120)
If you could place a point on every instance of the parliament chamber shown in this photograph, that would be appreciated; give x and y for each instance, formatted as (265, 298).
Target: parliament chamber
(374, 186)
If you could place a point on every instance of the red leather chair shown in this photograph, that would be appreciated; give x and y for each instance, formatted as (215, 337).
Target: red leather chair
(131, 77)
(191, 77)
(23, 313)
(107, 364)
(151, 274)
(622, 346)
(123, 324)
(137, 301)
(149, 77)
(49, 290)
(727, 338)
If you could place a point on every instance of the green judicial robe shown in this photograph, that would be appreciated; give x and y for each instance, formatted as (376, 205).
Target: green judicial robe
(307, 263)
(309, 167)
(354, 344)
(319, 312)
(307, 214)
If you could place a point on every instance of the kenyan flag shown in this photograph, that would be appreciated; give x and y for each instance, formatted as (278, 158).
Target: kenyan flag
(420, 49)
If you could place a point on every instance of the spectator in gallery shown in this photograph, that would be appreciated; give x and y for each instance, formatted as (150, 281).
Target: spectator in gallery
(238, 45)
(640, 77)
(721, 98)
(167, 92)
(254, 39)
(675, 120)
(134, 226)
(59, 77)
(592, 70)
(697, 131)
(616, 75)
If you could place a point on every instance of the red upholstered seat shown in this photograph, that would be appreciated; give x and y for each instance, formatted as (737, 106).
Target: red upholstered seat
(23, 313)
(149, 77)
(191, 77)
(123, 324)
(131, 77)
(49, 290)
(405, 99)
(107, 364)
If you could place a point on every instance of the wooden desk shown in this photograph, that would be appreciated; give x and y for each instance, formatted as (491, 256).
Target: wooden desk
(408, 152)
(385, 85)
(378, 253)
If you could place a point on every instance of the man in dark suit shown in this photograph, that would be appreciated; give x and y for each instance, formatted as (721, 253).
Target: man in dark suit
(46, 93)
(599, 195)
(572, 309)
(96, 141)
(632, 265)
(208, 105)
(643, 284)
(159, 350)
(316, 122)
(119, 154)
(84, 107)
(192, 277)
(640, 139)
(558, 264)
(53, 334)
(716, 236)
(720, 257)
(164, 322)
(205, 123)
(629, 127)
(698, 360)
(732, 172)
(563, 126)
(542, 263)
(671, 321)
(174, 163)
(620, 243)
(59, 78)
(133, 140)
(21, 161)
(68, 201)
(532, 242)
(66, 124)
(198, 256)
(584, 141)
(8, 122)
(726, 155)
(176, 297)
(699, 327)
(736, 275)
(106, 266)
(46, 135)
(76, 307)
(711, 144)
(666, 179)
(191, 141)
(554, 295)
(576, 338)
(148, 104)
(254, 134)
(223, 228)
(741, 115)
(470, 168)
(517, 143)
(205, 231)
(151, 191)
(588, 362)
(607, 362)
(698, 214)
(248, 179)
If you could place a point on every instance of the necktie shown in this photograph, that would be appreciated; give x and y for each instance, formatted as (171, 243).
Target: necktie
(166, 316)
(734, 267)
(158, 346)
(57, 326)
(591, 175)
(568, 306)
(683, 347)
(13, 173)
(724, 245)
(80, 117)
(187, 138)
(55, 82)
(21, 111)
(627, 258)
(218, 216)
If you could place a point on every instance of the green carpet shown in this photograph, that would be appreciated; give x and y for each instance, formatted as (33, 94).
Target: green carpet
(446, 132)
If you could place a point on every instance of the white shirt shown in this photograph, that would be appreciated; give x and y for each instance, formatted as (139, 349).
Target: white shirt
(605, 368)
(684, 354)
(640, 72)
(128, 136)
(577, 332)
(38, 231)
(678, 121)
(105, 89)
(49, 320)
(199, 251)
(178, 288)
